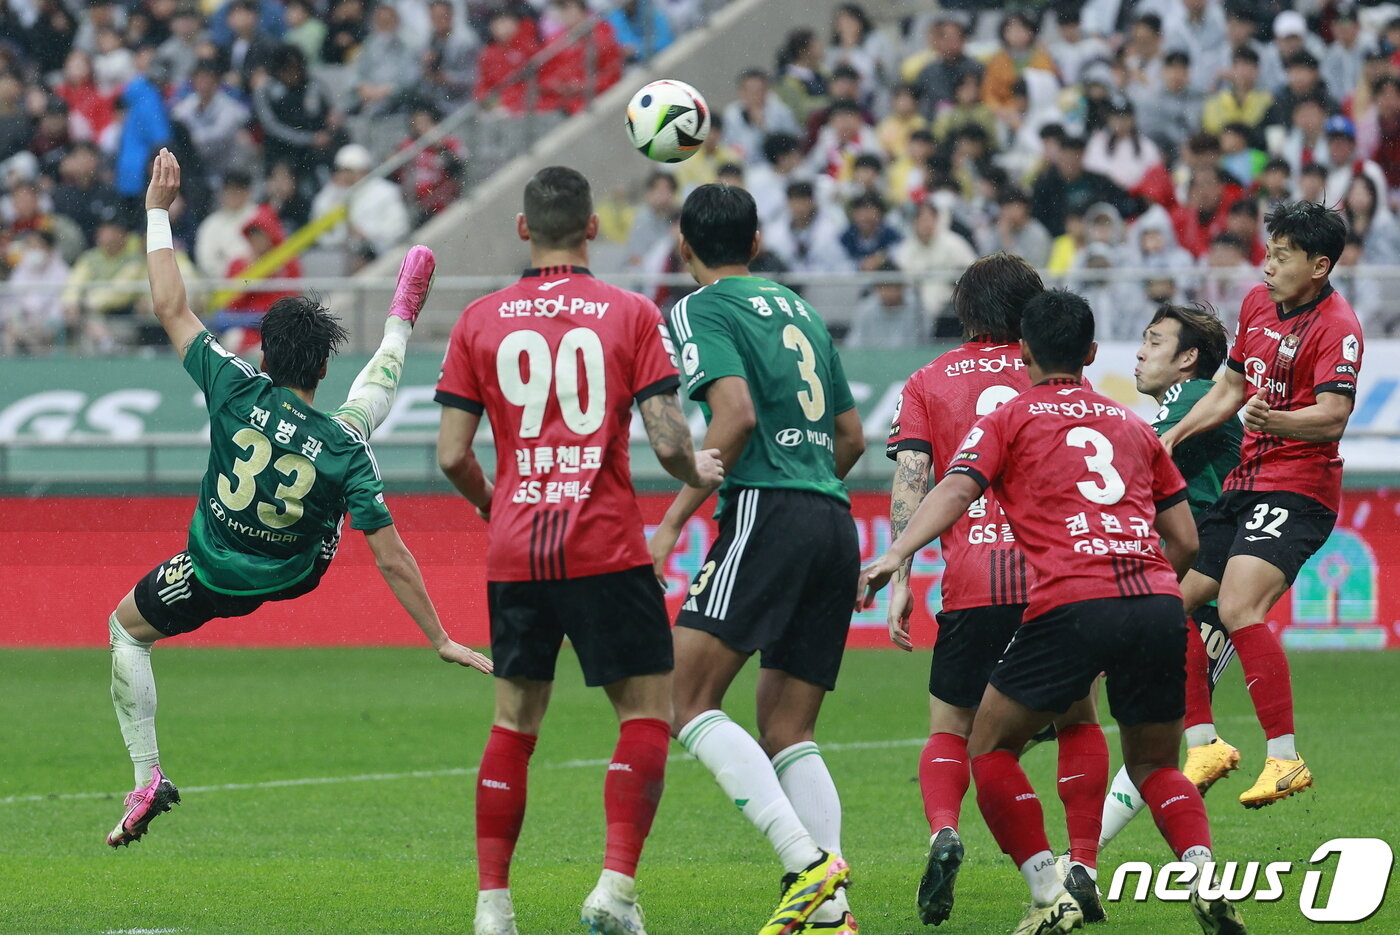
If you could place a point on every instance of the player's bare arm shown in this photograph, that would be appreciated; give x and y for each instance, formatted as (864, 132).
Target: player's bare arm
(400, 571)
(1222, 402)
(936, 515)
(907, 490)
(457, 459)
(850, 441)
(168, 301)
(669, 435)
(732, 421)
(1323, 422)
(1177, 527)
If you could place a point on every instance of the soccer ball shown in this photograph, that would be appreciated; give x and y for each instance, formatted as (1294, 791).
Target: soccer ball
(667, 121)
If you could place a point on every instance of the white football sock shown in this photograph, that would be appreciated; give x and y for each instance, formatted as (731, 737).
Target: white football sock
(134, 697)
(1042, 877)
(372, 394)
(1198, 735)
(808, 786)
(747, 777)
(1120, 807)
(1283, 747)
(1199, 855)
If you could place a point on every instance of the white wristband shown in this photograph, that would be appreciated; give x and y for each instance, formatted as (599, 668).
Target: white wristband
(158, 235)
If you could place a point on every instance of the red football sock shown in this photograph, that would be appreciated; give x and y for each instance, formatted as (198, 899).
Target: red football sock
(1178, 810)
(1083, 783)
(1198, 709)
(500, 803)
(1009, 805)
(944, 776)
(633, 790)
(1266, 676)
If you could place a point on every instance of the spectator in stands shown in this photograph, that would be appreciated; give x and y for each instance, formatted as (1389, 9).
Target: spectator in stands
(755, 115)
(386, 68)
(1120, 150)
(513, 43)
(845, 136)
(1375, 66)
(1291, 36)
(857, 44)
(298, 118)
(91, 109)
(938, 79)
(907, 177)
(768, 181)
(867, 178)
(50, 36)
(51, 139)
(1306, 143)
(1344, 59)
(145, 129)
(703, 165)
(1072, 48)
(250, 50)
(435, 174)
(1371, 220)
(641, 28)
(1312, 184)
(1198, 28)
(81, 194)
(305, 30)
(888, 316)
(1378, 131)
(284, 194)
(1345, 161)
(936, 256)
(178, 55)
(1243, 101)
(869, 238)
(1237, 157)
(904, 119)
(843, 85)
(1304, 81)
(1207, 208)
(1064, 249)
(378, 217)
(1067, 185)
(271, 20)
(31, 312)
(346, 30)
(1151, 244)
(113, 64)
(1227, 276)
(1244, 222)
(1019, 51)
(15, 123)
(1015, 231)
(449, 61)
(577, 70)
(1169, 116)
(1275, 184)
(27, 209)
(217, 123)
(116, 259)
(967, 109)
(653, 222)
(801, 84)
(101, 14)
(807, 237)
(1142, 55)
(1241, 31)
(219, 240)
(264, 233)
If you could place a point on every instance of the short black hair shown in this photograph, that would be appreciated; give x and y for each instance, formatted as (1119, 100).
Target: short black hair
(1177, 57)
(660, 176)
(1279, 164)
(1245, 206)
(843, 106)
(1058, 326)
(1151, 20)
(991, 294)
(1315, 229)
(844, 71)
(1202, 330)
(749, 73)
(778, 145)
(1245, 54)
(238, 178)
(1073, 142)
(868, 161)
(801, 190)
(299, 335)
(867, 200)
(1301, 59)
(1013, 195)
(1314, 168)
(720, 222)
(558, 204)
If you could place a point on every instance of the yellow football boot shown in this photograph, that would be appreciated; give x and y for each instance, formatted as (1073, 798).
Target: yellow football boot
(1279, 780)
(1209, 763)
(803, 892)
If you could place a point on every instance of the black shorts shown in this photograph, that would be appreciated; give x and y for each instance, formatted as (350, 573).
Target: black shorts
(780, 580)
(616, 622)
(968, 646)
(1139, 642)
(1282, 528)
(174, 601)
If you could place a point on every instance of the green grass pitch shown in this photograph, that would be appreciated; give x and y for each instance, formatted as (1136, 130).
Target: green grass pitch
(279, 832)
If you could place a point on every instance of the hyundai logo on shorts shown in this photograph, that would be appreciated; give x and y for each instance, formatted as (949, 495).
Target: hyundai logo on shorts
(789, 438)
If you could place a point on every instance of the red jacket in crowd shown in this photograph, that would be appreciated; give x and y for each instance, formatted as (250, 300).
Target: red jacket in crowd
(500, 62)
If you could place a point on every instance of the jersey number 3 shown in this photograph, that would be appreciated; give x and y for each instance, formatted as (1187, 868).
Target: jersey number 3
(238, 493)
(813, 398)
(529, 386)
(1111, 489)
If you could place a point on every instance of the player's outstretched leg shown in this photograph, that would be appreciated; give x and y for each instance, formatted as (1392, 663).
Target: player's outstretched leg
(1208, 758)
(372, 393)
(1082, 781)
(134, 698)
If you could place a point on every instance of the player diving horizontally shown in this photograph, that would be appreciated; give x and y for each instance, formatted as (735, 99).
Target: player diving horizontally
(1101, 513)
(281, 475)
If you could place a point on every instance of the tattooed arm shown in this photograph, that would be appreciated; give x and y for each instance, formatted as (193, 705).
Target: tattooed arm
(908, 489)
(670, 439)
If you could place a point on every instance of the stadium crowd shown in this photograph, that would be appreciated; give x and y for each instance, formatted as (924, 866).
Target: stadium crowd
(274, 109)
(1153, 137)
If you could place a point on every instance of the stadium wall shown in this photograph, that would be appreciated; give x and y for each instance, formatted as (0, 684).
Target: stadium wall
(66, 562)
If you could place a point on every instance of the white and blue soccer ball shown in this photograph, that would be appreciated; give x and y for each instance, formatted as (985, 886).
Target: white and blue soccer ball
(668, 120)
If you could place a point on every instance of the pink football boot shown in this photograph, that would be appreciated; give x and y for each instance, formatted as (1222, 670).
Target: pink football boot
(415, 280)
(142, 805)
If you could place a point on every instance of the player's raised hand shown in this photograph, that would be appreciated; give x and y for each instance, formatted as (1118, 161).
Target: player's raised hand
(708, 467)
(455, 652)
(165, 182)
(872, 578)
(1256, 413)
(901, 607)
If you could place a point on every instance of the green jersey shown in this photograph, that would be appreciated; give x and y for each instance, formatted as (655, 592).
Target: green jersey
(745, 326)
(1205, 459)
(281, 475)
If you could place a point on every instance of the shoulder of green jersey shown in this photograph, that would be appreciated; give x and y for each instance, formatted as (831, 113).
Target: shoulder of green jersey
(360, 440)
(212, 343)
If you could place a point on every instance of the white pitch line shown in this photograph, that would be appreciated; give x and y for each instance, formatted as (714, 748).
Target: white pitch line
(140, 931)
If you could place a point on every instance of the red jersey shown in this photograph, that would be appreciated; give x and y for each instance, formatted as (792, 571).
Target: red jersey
(1293, 356)
(1081, 479)
(940, 404)
(555, 362)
